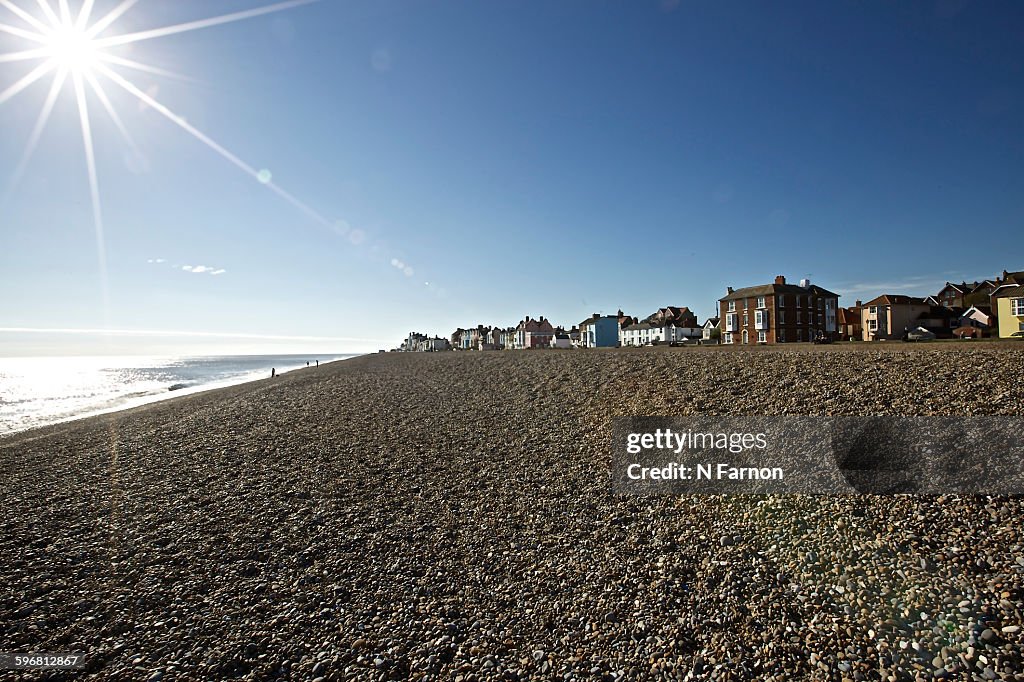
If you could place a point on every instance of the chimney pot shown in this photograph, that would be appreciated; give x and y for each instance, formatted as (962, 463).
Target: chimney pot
(779, 279)
(859, 304)
(728, 290)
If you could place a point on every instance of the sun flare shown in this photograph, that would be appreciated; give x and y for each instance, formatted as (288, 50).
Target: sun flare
(72, 48)
(77, 49)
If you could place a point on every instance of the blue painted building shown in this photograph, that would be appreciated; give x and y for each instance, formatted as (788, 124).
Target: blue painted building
(599, 331)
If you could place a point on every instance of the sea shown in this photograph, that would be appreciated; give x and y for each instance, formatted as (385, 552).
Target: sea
(36, 391)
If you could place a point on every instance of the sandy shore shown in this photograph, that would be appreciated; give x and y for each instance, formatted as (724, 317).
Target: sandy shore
(448, 516)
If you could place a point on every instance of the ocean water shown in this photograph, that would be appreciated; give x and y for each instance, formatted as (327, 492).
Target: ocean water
(45, 390)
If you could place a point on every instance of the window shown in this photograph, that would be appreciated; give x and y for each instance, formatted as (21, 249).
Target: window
(1017, 306)
(760, 301)
(732, 322)
(728, 338)
(746, 338)
(732, 306)
(762, 337)
(781, 317)
(873, 310)
(781, 299)
(781, 335)
(799, 317)
(761, 319)
(873, 325)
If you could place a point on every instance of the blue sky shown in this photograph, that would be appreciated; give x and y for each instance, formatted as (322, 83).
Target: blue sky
(474, 163)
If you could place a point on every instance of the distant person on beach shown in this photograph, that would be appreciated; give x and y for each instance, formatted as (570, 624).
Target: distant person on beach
(317, 363)
(273, 371)
(307, 363)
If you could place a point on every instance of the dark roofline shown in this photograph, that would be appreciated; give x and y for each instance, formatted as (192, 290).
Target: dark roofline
(1009, 290)
(896, 299)
(775, 289)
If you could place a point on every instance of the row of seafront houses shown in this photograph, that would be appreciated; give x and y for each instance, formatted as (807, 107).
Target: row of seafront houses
(779, 312)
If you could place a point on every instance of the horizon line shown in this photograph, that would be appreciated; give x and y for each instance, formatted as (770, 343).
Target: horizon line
(178, 333)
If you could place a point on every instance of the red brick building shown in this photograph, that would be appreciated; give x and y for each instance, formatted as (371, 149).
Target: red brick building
(778, 313)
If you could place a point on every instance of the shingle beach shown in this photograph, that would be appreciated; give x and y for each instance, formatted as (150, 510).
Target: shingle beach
(449, 516)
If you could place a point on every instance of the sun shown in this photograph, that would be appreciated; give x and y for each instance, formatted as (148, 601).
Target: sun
(79, 50)
(72, 48)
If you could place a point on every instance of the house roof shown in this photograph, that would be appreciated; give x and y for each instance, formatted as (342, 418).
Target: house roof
(770, 289)
(711, 321)
(963, 287)
(897, 299)
(597, 316)
(538, 325)
(640, 325)
(988, 283)
(1005, 291)
(670, 313)
(849, 315)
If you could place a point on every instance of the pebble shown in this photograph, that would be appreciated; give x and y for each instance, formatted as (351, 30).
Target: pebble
(448, 516)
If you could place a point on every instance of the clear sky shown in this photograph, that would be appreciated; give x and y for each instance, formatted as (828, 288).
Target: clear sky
(445, 164)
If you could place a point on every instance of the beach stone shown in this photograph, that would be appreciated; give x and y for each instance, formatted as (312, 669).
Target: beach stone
(448, 516)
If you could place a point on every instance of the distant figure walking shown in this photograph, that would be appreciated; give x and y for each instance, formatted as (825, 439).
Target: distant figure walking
(307, 363)
(273, 372)
(317, 363)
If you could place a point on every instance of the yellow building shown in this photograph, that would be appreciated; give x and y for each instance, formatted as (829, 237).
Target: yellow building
(1010, 310)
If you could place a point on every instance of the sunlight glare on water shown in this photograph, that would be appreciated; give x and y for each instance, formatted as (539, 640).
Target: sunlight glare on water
(44, 390)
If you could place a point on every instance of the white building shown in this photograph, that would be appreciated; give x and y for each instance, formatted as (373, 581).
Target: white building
(646, 334)
(561, 340)
(432, 345)
(709, 335)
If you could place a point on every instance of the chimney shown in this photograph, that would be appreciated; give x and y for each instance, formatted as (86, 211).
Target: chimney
(859, 304)
(728, 290)
(1006, 275)
(779, 279)
(527, 318)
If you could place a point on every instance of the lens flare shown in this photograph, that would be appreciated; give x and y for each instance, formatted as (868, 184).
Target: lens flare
(71, 48)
